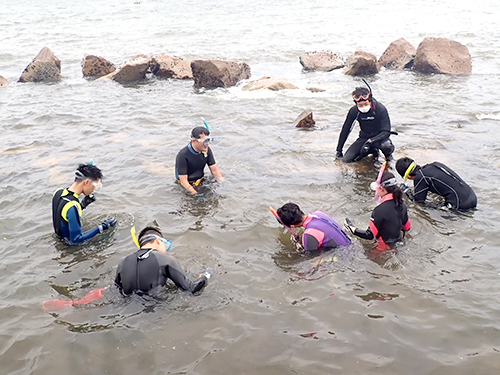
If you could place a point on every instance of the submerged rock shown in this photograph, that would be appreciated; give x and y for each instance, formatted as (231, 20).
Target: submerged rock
(165, 66)
(361, 63)
(45, 67)
(305, 120)
(133, 70)
(94, 66)
(269, 83)
(219, 73)
(323, 61)
(442, 56)
(399, 55)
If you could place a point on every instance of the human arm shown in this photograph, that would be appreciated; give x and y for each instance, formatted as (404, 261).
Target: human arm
(420, 189)
(183, 179)
(75, 230)
(346, 129)
(310, 242)
(174, 272)
(214, 169)
(384, 124)
(367, 234)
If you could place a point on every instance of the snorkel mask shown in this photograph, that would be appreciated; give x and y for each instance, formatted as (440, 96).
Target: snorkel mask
(149, 237)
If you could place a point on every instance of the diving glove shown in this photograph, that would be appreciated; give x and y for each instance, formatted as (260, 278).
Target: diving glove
(207, 273)
(406, 189)
(349, 226)
(88, 199)
(107, 224)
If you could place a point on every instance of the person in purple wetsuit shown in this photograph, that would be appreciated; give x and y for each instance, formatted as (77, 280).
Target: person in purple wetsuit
(321, 231)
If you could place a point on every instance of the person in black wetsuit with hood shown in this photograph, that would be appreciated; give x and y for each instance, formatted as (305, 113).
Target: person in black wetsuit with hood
(439, 179)
(388, 219)
(150, 267)
(375, 126)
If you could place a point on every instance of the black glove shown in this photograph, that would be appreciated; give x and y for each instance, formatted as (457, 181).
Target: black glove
(297, 243)
(88, 199)
(406, 189)
(107, 224)
(349, 226)
(339, 155)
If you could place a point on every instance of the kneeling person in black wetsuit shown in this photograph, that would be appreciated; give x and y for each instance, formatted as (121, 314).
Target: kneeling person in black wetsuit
(191, 160)
(150, 267)
(439, 179)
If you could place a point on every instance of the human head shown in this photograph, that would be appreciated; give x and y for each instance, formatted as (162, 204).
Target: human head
(291, 215)
(406, 167)
(198, 138)
(388, 185)
(87, 179)
(362, 98)
(152, 237)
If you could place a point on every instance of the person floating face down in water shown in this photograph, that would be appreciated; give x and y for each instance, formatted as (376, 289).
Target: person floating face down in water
(388, 219)
(321, 231)
(67, 208)
(150, 267)
(439, 179)
(191, 160)
(375, 128)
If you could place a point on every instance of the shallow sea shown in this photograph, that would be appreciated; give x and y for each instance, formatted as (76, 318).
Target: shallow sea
(431, 307)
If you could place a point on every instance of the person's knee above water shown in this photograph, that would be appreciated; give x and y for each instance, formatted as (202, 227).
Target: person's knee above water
(439, 179)
(150, 267)
(67, 208)
(321, 231)
(191, 160)
(375, 128)
(388, 219)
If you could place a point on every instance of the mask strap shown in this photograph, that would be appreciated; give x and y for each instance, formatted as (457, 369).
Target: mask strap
(409, 170)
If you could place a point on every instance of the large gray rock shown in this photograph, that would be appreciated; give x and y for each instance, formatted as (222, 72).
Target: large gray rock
(3, 81)
(133, 70)
(165, 66)
(45, 67)
(94, 66)
(361, 63)
(219, 73)
(269, 83)
(443, 56)
(321, 60)
(399, 55)
(305, 120)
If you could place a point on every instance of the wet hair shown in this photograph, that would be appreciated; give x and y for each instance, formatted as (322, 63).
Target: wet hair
(361, 90)
(85, 171)
(199, 130)
(146, 231)
(403, 164)
(397, 193)
(290, 214)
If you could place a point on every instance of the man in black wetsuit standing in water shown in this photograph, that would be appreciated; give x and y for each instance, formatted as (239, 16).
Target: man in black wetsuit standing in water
(375, 125)
(150, 267)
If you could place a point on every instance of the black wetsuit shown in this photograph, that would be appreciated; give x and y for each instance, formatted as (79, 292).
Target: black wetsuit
(386, 223)
(440, 179)
(374, 125)
(191, 163)
(147, 269)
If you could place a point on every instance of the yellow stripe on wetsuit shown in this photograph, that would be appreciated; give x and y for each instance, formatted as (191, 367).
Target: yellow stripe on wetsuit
(70, 204)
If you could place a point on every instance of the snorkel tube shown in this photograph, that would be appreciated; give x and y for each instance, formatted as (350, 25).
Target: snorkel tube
(369, 88)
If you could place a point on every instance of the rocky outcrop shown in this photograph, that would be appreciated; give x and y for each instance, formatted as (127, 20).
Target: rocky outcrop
(218, 73)
(324, 61)
(399, 55)
(133, 70)
(305, 120)
(322, 88)
(94, 66)
(269, 83)
(361, 63)
(3, 81)
(443, 56)
(45, 67)
(165, 66)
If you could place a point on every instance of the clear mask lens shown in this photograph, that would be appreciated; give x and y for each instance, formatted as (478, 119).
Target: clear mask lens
(97, 185)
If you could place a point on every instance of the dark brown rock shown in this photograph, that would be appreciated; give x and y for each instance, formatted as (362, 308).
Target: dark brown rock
(218, 73)
(361, 63)
(399, 55)
(3, 81)
(95, 66)
(305, 120)
(442, 56)
(269, 83)
(45, 67)
(165, 66)
(321, 60)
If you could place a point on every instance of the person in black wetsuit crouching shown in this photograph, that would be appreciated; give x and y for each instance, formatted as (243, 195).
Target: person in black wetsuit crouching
(150, 267)
(375, 128)
(388, 219)
(439, 179)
